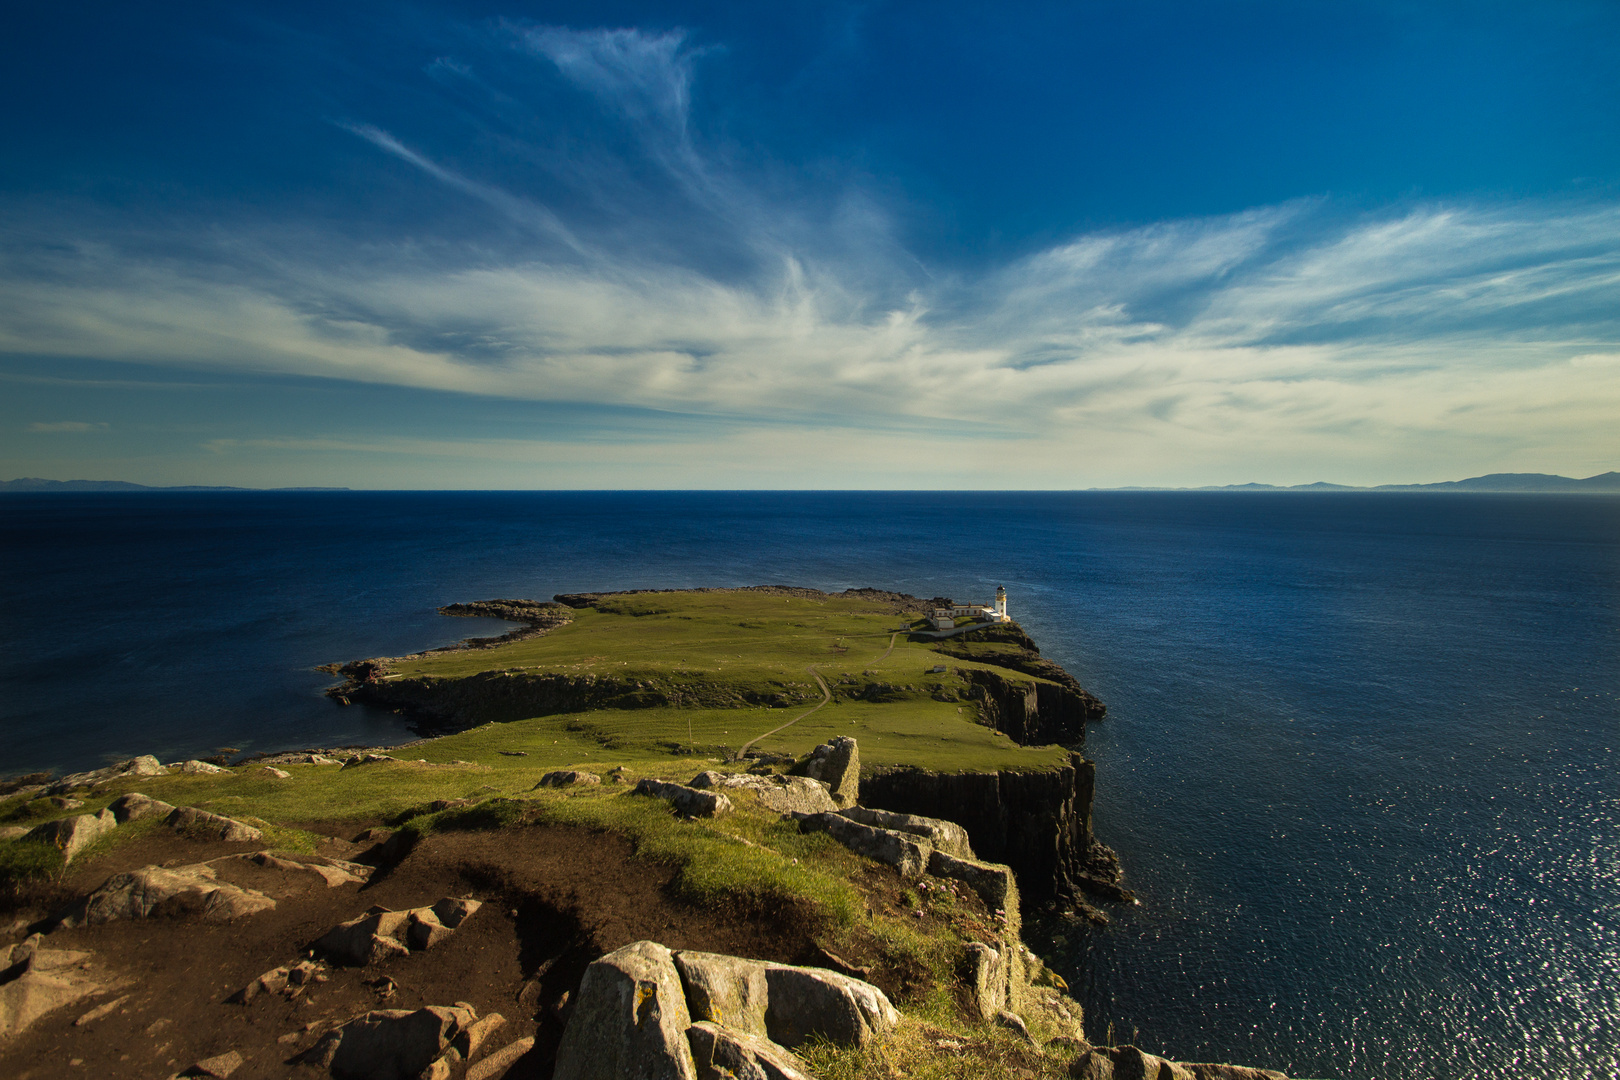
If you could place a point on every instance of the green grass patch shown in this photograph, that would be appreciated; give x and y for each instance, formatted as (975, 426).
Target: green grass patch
(23, 862)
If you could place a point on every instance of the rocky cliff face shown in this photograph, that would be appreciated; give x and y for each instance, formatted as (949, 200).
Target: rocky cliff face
(1038, 823)
(1028, 712)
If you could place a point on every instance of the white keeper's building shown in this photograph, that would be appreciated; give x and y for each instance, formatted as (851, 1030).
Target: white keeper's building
(945, 618)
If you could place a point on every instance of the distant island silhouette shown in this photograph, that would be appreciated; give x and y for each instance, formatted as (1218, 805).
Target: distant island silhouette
(1533, 483)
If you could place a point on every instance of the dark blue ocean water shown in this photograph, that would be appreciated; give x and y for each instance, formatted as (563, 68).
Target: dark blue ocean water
(1359, 760)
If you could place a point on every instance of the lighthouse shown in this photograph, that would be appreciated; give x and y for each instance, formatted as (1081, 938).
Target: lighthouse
(1001, 603)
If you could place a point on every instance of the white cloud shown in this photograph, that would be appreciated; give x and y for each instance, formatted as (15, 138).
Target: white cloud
(1475, 330)
(65, 426)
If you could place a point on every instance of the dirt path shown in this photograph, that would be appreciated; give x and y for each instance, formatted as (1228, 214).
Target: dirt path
(826, 696)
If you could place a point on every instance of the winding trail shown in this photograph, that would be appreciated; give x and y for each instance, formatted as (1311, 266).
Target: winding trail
(826, 696)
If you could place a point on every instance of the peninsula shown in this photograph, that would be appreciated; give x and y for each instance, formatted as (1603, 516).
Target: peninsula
(767, 832)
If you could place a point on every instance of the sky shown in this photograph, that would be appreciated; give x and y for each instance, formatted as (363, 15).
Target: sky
(809, 244)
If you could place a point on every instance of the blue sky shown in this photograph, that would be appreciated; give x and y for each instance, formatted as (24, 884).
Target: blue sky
(809, 244)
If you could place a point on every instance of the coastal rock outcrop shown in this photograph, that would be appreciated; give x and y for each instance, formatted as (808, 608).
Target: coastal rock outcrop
(133, 806)
(380, 933)
(838, 765)
(783, 794)
(723, 1054)
(946, 836)
(1030, 712)
(906, 852)
(209, 826)
(629, 1020)
(35, 981)
(1038, 823)
(72, 835)
(567, 778)
(689, 802)
(153, 891)
(145, 765)
(1131, 1063)
(391, 1044)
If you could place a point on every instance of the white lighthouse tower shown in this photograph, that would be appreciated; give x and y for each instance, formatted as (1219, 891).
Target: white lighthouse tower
(1001, 603)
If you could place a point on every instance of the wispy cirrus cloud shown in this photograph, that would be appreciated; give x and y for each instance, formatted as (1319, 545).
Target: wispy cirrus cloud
(1482, 324)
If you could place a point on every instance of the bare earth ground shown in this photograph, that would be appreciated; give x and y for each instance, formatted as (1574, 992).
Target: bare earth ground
(556, 897)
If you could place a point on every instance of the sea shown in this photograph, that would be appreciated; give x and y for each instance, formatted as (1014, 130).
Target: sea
(1359, 759)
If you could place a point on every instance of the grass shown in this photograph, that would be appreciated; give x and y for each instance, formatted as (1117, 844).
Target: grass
(757, 647)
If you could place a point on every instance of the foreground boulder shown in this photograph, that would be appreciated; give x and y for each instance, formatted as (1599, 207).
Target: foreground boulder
(134, 806)
(380, 933)
(35, 981)
(838, 765)
(207, 826)
(72, 835)
(391, 1044)
(783, 794)
(786, 1004)
(689, 802)
(151, 892)
(629, 1020)
(906, 852)
(945, 836)
(723, 1054)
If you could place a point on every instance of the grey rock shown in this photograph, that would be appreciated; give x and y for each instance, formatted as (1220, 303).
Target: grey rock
(629, 1020)
(723, 1054)
(73, 834)
(783, 794)
(838, 765)
(393, 1044)
(453, 911)
(471, 1041)
(153, 891)
(133, 806)
(906, 852)
(996, 884)
(334, 872)
(782, 1003)
(219, 1067)
(145, 765)
(1013, 1022)
(424, 930)
(202, 824)
(567, 778)
(13, 832)
(367, 759)
(1210, 1071)
(277, 774)
(1125, 1063)
(689, 802)
(946, 836)
(812, 1001)
(288, 980)
(497, 1063)
(986, 979)
(725, 990)
(195, 767)
(39, 981)
(367, 939)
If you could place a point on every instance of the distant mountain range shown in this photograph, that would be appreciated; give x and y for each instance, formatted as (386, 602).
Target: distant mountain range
(1542, 483)
(29, 483)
